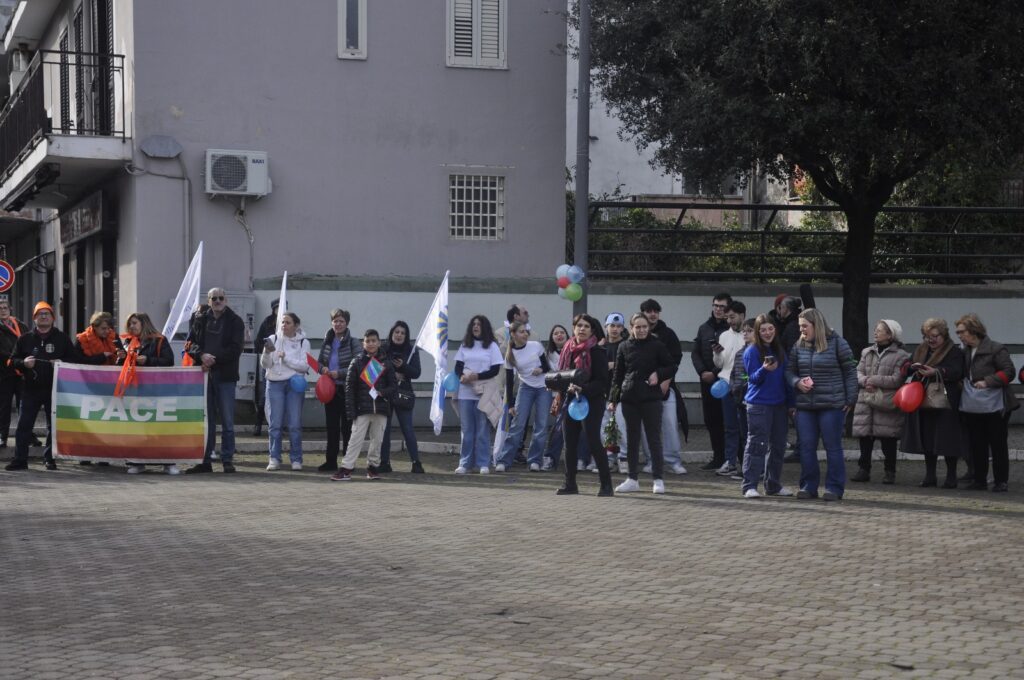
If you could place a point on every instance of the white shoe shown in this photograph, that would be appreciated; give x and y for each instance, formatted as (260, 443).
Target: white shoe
(727, 470)
(782, 492)
(273, 465)
(580, 467)
(548, 464)
(751, 493)
(678, 469)
(297, 467)
(647, 469)
(659, 486)
(460, 470)
(215, 455)
(135, 469)
(173, 470)
(485, 471)
(628, 486)
(534, 467)
(623, 467)
(500, 467)
(592, 467)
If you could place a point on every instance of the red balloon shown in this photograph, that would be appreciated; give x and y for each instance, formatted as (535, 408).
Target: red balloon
(325, 388)
(909, 397)
(563, 281)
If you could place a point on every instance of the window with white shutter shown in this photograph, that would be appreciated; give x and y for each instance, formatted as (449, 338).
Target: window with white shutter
(477, 33)
(352, 29)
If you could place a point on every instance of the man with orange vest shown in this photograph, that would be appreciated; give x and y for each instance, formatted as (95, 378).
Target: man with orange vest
(10, 382)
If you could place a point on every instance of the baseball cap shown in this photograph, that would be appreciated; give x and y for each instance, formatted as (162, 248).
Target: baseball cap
(615, 317)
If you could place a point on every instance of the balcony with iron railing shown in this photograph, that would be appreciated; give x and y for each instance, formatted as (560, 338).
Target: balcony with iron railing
(64, 121)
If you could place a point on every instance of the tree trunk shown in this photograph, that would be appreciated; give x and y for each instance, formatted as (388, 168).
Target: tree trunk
(860, 243)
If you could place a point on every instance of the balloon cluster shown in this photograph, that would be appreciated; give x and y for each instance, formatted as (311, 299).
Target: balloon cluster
(569, 277)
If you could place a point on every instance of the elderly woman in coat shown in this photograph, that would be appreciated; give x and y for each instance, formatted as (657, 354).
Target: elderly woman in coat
(881, 371)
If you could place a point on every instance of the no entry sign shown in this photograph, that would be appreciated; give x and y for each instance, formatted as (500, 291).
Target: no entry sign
(6, 276)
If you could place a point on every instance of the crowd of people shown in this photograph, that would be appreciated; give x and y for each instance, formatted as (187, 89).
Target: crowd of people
(604, 393)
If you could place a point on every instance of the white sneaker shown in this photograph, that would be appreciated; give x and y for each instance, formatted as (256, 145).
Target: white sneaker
(485, 471)
(727, 470)
(628, 486)
(782, 492)
(623, 467)
(677, 468)
(548, 465)
(460, 470)
(173, 470)
(296, 467)
(500, 467)
(135, 469)
(534, 467)
(751, 493)
(647, 469)
(215, 455)
(580, 467)
(659, 486)
(592, 467)
(273, 465)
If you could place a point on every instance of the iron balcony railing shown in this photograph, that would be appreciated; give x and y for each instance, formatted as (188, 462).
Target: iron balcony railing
(927, 243)
(66, 93)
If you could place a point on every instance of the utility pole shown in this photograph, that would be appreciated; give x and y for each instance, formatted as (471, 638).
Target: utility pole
(581, 233)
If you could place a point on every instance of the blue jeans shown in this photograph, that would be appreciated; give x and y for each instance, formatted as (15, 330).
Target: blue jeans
(732, 428)
(220, 399)
(476, 435)
(408, 433)
(741, 419)
(284, 407)
(828, 425)
(766, 446)
(538, 401)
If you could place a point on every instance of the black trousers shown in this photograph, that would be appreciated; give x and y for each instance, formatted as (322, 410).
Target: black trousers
(8, 391)
(590, 428)
(867, 445)
(988, 432)
(339, 427)
(715, 422)
(645, 415)
(260, 394)
(31, 402)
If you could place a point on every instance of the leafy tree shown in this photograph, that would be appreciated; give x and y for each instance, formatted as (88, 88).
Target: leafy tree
(861, 96)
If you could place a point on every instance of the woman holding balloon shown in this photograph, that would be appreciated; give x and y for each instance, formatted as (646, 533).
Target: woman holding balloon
(284, 359)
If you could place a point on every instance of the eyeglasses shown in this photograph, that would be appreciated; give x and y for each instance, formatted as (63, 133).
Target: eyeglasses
(216, 298)
(720, 306)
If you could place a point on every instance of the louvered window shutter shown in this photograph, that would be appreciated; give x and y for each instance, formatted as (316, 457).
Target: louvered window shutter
(477, 33)
(492, 33)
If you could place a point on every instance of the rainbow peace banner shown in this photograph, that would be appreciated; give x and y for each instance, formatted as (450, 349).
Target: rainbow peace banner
(371, 374)
(161, 420)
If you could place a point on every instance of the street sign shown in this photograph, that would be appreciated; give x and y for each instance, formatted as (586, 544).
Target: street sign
(6, 276)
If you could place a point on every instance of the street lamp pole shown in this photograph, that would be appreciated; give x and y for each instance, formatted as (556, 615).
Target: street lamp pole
(581, 248)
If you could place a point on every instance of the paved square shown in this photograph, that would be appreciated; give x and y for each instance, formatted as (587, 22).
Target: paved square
(288, 575)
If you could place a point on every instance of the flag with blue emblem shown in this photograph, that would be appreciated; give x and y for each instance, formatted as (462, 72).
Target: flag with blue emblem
(433, 339)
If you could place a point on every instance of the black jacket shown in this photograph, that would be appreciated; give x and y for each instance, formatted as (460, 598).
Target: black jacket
(787, 329)
(157, 351)
(232, 330)
(8, 339)
(703, 356)
(635, 360)
(348, 348)
(56, 346)
(595, 384)
(410, 364)
(265, 330)
(358, 401)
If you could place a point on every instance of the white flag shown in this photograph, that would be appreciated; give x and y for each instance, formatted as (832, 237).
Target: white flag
(282, 307)
(188, 295)
(433, 339)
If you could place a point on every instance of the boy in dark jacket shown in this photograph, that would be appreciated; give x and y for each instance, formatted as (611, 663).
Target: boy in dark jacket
(369, 385)
(34, 354)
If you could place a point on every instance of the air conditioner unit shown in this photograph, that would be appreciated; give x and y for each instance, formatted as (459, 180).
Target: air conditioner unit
(237, 173)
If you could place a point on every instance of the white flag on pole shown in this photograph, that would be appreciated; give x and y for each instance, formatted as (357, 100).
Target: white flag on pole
(433, 339)
(188, 295)
(282, 307)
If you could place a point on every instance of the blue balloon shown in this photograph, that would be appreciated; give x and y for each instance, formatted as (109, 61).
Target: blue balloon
(297, 383)
(720, 388)
(579, 408)
(562, 294)
(563, 270)
(575, 274)
(451, 382)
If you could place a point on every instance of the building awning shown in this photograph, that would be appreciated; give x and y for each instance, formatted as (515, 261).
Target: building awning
(13, 227)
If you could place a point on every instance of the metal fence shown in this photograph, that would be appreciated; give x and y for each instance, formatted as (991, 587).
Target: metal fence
(936, 244)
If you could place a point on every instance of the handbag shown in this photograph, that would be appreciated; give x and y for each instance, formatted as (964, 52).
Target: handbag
(405, 397)
(935, 396)
(984, 400)
(880, 399)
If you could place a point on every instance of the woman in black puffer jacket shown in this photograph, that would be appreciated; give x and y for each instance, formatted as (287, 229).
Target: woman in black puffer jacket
(641, 364)
(335, 355)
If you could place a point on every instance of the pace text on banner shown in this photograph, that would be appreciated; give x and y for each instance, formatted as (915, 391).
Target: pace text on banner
(433, 339)
(161, 419)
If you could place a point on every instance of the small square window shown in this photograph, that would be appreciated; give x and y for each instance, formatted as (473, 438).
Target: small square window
(476, 207)
(352, 29)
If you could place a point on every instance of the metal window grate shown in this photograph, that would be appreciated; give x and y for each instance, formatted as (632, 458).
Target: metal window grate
(476, 207)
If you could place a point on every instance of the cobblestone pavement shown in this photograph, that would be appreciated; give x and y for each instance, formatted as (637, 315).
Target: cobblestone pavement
(288, 575)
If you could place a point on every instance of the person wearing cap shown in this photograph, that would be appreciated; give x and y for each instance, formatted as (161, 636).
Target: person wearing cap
(10, 330)
(881, 371)
(267, 328)
(615, 334)
(33, 356)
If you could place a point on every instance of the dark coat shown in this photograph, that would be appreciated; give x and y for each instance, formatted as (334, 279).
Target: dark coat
(595, 383)
(157, 351)
(232, 330)
(266, 329)
(358, 401)
(833, 371)
(8, 339)
(348, 348)
(939, 432)
(635, 360)
(56, 346)
(991, 362)
(703, 356)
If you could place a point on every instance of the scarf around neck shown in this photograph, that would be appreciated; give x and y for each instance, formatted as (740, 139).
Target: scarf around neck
(576, 354)
(93, 345)
(936, 358)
